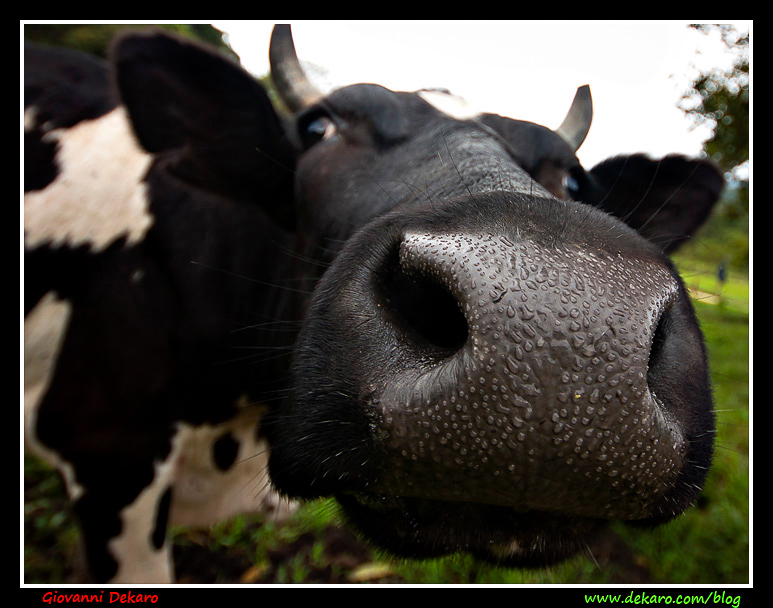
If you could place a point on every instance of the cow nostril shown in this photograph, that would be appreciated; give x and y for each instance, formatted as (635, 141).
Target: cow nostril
(661, 356)
(422, 307)
(658, 342)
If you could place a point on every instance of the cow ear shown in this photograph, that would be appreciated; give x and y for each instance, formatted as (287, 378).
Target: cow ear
(210, 121)
(665, 200)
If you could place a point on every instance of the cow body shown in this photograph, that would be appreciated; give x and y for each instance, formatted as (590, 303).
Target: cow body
(482, 366)
(149, 305)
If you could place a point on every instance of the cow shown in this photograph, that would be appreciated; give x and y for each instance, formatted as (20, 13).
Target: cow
(153, 339)
(442, 320)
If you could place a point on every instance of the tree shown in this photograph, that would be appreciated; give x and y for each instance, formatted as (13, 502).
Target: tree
(95, 39)
(722, 98)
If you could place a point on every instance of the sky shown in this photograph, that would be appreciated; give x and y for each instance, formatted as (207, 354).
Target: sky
(637, 70)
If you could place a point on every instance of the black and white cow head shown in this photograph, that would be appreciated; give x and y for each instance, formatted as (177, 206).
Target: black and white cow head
(484, 365)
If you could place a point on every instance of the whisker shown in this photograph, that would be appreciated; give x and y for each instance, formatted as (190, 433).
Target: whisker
(246, 278)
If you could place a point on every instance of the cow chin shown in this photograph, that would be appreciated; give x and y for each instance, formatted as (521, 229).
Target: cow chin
(422, 528)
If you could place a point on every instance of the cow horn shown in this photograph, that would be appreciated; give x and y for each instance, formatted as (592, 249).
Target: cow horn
(575, 127)
(294, 88)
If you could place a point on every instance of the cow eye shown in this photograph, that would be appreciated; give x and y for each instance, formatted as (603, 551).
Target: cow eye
(571, 186)
(573, 182)
(315, 129)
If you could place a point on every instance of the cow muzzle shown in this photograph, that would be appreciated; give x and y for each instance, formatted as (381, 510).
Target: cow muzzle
(536, 395)
(492, 368)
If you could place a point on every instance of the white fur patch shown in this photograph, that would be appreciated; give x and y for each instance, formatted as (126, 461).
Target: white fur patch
(44, 329)
(203, 494)
(138, 560)
(99, 195)
(448, 103)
